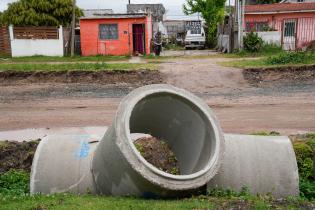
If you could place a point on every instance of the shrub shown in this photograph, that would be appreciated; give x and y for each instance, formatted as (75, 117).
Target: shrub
(252, 42)
(15, 183)
(304, 149)
(304, 155)
(307, 189)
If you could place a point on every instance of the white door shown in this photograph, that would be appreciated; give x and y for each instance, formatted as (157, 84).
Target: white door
(289, 34)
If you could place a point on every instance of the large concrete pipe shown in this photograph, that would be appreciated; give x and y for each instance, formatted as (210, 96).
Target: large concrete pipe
(113, 166)
(263, 164)
(182, 120)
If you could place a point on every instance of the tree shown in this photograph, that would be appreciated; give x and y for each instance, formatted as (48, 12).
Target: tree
(212, 11)
(39, 13)
(1, 14)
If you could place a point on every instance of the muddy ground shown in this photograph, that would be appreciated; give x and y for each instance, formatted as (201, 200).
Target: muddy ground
(241, 106)
(129, 78)
(17, 155)
(282, 75)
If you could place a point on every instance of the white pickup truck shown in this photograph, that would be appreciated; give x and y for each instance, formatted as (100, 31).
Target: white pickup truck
(195, 35)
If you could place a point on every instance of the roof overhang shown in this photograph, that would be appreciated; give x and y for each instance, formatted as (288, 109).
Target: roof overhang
(277, 12)
(116, 16)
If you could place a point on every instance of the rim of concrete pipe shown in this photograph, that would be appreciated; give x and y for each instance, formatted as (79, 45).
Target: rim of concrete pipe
(133, 156)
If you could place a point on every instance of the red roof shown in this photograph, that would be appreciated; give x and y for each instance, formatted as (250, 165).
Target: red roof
(280, 8)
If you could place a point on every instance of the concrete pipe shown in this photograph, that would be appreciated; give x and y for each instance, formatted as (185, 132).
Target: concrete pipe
(264, 164)
(62, 163)
(181, 119)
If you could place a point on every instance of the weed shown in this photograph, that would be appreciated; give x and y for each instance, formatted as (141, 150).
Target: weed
(289, 58)
(14, 183)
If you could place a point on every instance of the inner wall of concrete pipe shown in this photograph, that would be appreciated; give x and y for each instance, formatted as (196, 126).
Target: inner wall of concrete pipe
(181, 124)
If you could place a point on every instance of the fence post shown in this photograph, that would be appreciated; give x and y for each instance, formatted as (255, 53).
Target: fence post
(11, 33)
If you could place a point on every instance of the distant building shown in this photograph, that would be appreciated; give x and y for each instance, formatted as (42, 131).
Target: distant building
(175, 30)
(157, 12)
(116, 34)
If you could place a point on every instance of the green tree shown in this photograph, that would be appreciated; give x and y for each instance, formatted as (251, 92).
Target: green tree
(1, 14)
(212, 11)
(39, 13)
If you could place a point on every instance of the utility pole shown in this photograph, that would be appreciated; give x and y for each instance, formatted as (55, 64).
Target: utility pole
(240, 20)
(73, 27)
(129, 1)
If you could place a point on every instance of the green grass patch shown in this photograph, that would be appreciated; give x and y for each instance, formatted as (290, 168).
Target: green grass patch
(280, 60)
(266, 133)
(99, 58)
(68, 201)
(266, 50)
(174, 47)
(75, 66)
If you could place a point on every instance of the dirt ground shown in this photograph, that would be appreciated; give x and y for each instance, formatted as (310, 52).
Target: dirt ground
(17, 155)
(241, 107)
(158, 153)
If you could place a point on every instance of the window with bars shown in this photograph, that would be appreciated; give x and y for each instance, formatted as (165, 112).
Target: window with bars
(289, 29)
(108, 31)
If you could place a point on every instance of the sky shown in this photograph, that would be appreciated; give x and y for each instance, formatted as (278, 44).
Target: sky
(173, 7)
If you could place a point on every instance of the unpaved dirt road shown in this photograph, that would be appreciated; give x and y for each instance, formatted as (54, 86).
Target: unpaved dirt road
(240, 107)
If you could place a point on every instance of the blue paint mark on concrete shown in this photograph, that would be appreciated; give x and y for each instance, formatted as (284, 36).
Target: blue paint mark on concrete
(84, 149)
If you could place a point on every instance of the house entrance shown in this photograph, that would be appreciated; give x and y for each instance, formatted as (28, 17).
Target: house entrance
(289, 34)
(138, 34)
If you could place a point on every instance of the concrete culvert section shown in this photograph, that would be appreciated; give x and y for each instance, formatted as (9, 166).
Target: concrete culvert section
(183, 121)
(263, 164)
(205, 158)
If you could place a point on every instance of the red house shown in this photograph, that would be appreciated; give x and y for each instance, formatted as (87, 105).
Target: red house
(294, 22)
(116, 34)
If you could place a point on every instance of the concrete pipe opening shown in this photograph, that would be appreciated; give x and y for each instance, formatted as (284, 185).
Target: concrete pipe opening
(183, 126)
(182, 120)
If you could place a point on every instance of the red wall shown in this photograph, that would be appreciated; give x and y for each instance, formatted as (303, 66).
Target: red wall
(92, 45)
(305, 24)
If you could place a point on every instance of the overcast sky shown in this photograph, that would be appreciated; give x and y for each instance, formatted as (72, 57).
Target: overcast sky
(173, 7)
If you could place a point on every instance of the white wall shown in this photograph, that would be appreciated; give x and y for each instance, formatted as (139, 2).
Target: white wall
(271, 37)
(31, 47)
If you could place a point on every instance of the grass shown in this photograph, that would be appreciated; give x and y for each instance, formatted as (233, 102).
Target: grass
(267, 50)
(68, 201)
(280, 60)
(265, 133)
(75, 66)
(99, 58)
(175, 47)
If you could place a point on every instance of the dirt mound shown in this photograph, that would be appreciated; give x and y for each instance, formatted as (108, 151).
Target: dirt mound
(260, 77)
(143, 77)
(158, 153)
(17, 155)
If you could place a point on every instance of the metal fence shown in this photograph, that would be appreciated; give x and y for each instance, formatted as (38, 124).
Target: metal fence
(35, 32)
